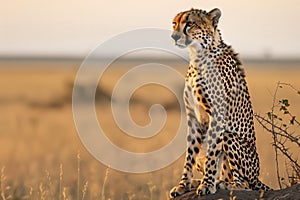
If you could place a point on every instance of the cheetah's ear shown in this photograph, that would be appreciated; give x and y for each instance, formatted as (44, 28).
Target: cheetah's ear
(215, 15)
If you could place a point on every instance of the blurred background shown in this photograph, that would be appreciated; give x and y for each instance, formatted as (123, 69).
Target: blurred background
(71, 29)
(43, 44)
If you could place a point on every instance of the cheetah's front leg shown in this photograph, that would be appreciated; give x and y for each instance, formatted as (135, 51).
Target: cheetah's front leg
(214, 152)
(194, 142)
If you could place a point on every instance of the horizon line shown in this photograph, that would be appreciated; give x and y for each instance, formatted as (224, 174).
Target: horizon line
(53, 58)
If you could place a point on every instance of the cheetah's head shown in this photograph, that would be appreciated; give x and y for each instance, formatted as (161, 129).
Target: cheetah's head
(195, 27)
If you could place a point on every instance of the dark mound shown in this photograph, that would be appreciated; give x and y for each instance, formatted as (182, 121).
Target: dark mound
(291, 193)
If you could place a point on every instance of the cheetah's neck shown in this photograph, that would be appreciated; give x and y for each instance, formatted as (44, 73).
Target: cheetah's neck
(198, 54)
(194, 50)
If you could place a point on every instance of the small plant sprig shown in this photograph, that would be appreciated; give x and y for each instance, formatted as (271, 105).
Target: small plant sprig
(282, 126)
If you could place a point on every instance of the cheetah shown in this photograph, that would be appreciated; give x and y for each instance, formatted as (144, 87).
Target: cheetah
(221, 138)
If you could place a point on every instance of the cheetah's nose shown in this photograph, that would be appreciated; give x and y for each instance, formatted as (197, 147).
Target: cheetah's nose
(175, 36)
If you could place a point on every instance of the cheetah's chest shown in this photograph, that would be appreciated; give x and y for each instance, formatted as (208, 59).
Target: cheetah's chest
(194, 97)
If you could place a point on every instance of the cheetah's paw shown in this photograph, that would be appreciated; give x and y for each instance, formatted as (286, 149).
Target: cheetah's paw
(179, 190)
(235, 185)
(206, 189)
(223, 185)
(195, 183)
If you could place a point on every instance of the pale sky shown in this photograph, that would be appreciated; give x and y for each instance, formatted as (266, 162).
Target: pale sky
(73, 28)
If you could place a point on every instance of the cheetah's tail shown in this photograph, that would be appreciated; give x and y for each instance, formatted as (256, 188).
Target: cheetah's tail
(261, 186)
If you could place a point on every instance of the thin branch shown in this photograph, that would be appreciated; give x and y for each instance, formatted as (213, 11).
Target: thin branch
(290, 85)
(285, 152)
(280, 132)
(275, 136)
(280, 144)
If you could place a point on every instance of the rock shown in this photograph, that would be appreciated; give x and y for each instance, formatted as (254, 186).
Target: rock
(291, 193)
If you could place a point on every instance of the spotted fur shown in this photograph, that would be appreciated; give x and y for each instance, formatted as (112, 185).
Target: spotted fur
(221, 138)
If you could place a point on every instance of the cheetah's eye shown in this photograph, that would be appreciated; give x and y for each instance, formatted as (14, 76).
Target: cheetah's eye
(189, 24)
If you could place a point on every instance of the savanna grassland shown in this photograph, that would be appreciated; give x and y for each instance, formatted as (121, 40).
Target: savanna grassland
(42, 156)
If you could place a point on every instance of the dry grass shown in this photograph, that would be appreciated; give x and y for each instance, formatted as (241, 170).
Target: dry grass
(104, 183)
(40, 148)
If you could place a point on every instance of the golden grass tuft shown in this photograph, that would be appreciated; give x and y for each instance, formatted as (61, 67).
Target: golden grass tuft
(104, 184)
(84, 190)
(61, 173)
(2, 184)
(78, 174)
